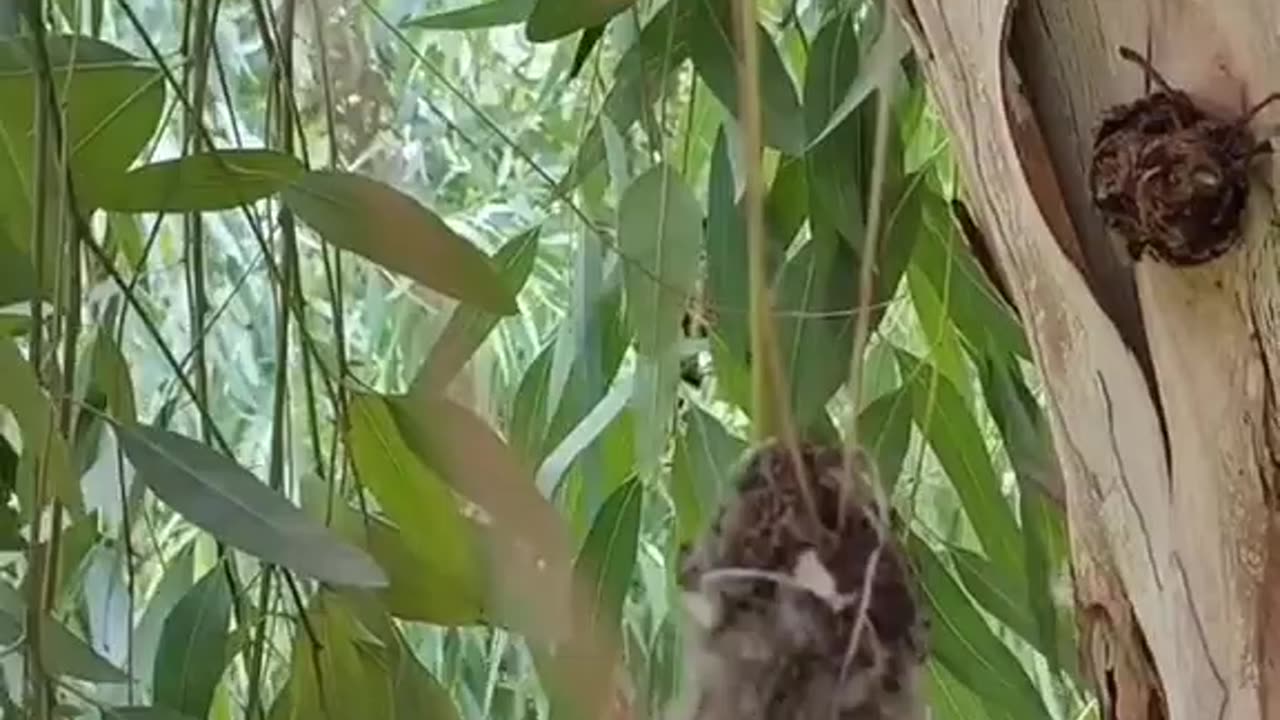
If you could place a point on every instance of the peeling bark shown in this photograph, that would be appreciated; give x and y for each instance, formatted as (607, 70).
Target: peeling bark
(1160, 379)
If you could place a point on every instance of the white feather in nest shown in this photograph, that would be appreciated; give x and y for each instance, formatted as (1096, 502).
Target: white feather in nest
(776, 626)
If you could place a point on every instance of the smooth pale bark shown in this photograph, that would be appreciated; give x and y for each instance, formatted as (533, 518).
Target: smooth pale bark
(1173, 523)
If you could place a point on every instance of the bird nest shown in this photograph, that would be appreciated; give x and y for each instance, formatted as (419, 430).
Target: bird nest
(1170, 178)
(801, 601)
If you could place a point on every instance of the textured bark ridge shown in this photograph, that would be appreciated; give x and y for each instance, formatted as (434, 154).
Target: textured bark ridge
(1159, 377)
(801, 604)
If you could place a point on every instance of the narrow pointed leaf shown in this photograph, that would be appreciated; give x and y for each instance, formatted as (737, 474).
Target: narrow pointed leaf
(21, 393)
(415, 498)
(662, 265)
(701, 476)
(608, 555)
(660, 234)
(638, 78)
(963, 643)
(553, 19)
(66, 654)
(217, 180)
(715, 56)
(946, 423)
(884, 430)
(193, 646)
(391, 229)
(469, 326)
(112, 106)
(219, 496)
(17, 274)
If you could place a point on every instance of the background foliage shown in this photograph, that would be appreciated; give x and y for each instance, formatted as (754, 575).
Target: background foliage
(336, 333)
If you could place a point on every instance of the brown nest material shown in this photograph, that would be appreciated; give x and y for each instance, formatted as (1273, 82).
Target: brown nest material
(802, 606)
(1168, 177)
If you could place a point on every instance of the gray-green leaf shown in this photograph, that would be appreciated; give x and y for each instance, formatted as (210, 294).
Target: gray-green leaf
(219, 496)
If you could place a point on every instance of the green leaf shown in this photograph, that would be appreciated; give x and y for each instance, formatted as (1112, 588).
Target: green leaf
(391, 229)
(962, 642)
(715, 56)
(552, 19)
(111, 376)
(875, 71)
(465, 453)
(584, 438)
(702, 473)
(661, 268)
(66, 654)
(206, 181)
(494, 13)
(930, 304)
(975, 307)
(786, 207)
(111, 105)
(726, 240)
(220, 497)
(468, 326)
(1023, 427)
(884, 430)
(577, 396)
(340, 674)
(949, 699)
(1004, 596)
(173, 586)
(659, 234)
(419, 588)
(1025, 433)
(816, 291)
(193, 646)
(17, 274)
(953, 434)
(418, 502)
(21, 393)
(638, 81)
(608, 555)
(837, 190)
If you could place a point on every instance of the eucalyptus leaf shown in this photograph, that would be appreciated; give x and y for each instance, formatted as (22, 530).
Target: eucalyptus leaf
(66, 654)
(963, 643)
(386, 226)
(468, 326)
(706, 454)
(552, 19)
(661, 48)
(947, 424)
(205, 181)
(17, 274)
(716, 58)
(21, 393)
(659, 233)
(219, 496)
(608, 555)
(421, 505)
(193, 646)
(112, 106)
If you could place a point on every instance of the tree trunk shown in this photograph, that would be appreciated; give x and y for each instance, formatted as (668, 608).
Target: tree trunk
(1159, 378)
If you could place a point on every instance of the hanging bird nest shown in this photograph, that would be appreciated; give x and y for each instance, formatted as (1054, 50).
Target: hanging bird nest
(801, 603)
(1171, 179)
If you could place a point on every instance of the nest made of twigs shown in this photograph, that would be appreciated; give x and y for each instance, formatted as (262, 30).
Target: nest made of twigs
(1170, 178)
(802, 603)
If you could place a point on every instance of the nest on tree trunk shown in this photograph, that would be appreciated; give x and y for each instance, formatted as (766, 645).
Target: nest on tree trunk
(801, 605)
(1171, 179)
